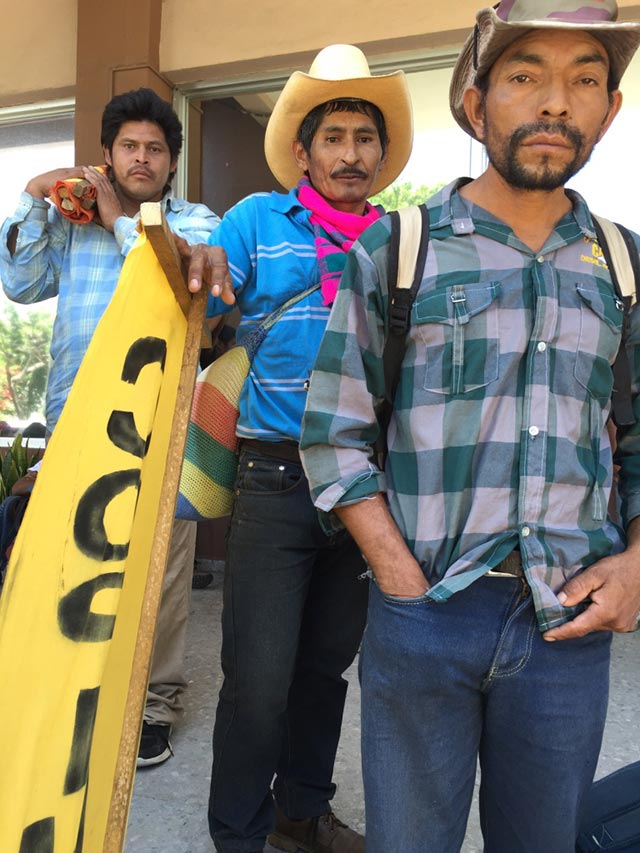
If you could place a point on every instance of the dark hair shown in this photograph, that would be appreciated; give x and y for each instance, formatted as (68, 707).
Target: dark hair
(141, 105)
(311, 122)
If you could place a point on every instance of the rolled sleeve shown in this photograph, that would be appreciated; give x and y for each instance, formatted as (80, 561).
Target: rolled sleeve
(31, 273)
(340, 425)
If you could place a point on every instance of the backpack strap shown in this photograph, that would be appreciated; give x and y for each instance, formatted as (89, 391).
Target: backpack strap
(621, 255)
(407, 256)
(408, 246)
(622, 258)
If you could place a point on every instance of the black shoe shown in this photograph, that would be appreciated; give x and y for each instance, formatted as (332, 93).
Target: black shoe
(154, 745)
(201, 579)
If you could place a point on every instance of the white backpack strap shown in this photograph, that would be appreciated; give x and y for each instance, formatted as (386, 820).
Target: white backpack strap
(410, 235)
(620, 257)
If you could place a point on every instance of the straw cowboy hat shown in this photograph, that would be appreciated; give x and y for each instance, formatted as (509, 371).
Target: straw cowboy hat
(497, 28)
(339, 71)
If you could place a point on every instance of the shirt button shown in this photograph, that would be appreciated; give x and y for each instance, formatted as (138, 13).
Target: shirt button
(540, 259)
(525, 531)
(533, 431)
(542, 346)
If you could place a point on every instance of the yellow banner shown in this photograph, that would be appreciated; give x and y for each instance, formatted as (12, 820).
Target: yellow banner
(71, 605)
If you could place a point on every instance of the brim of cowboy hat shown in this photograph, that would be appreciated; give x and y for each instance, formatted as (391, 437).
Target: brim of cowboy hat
(620, 40)
(389, 92)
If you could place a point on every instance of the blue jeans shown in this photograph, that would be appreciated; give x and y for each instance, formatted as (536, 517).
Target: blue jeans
(445, 683)
(294, 612)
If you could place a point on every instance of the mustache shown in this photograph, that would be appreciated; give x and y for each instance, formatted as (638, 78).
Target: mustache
(557, 128)
(349, 171)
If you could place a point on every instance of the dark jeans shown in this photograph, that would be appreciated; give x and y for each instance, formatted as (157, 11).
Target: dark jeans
(294, 612)
(444, 684)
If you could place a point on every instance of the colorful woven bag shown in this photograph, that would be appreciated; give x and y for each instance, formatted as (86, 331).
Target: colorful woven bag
(211, 452)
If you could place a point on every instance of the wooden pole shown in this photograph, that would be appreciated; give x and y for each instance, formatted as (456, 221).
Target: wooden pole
(194, 307)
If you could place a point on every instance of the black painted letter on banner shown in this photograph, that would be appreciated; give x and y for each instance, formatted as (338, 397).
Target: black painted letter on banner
(75, 618)
(88, 528)
(142, 352)
(78, 767)
(122, 432)
(39, 837)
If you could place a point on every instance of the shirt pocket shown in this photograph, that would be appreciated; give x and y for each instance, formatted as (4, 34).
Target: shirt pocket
(459, 328)
(601, 316)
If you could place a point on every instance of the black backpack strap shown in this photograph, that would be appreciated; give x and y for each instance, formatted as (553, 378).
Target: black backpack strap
(404, 279)
(624, 265)
(634, 256)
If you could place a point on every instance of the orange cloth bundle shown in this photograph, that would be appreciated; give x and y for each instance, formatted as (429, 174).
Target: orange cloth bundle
(75, 198)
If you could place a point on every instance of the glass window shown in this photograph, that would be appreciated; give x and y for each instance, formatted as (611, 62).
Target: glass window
(27, 148)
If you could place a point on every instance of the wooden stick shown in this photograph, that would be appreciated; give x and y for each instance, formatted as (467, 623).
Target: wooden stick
(125, 768)
(160, 236)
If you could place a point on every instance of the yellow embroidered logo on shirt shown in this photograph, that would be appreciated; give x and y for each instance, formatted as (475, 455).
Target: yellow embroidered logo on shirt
(597, 257)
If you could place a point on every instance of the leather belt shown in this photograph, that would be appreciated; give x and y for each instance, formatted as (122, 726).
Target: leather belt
(510, 567)
(287, 451)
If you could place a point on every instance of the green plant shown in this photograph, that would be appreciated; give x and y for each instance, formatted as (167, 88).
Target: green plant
(403, 194)
(24, 360)
(17, 459)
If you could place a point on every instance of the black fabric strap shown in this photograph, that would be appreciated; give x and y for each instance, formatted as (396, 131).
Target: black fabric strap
(621, 406)
(399, 317)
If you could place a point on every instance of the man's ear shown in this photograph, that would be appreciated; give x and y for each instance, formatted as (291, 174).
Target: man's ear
(106, 155)
(473, 103)
(615, 102)
(300, 155)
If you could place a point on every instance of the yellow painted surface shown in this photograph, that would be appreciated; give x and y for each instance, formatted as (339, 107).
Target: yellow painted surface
(70, 608)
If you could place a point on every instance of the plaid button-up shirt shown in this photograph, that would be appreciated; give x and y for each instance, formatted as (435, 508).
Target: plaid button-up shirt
(80, 264)
(498, 437)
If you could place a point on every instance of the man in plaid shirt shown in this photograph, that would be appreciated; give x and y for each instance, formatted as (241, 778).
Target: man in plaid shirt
(44, 254)
(499, 575)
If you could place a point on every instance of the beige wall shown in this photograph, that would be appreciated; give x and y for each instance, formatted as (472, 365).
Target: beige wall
(205, 40)
(201, 33)
(202, 40)
(38, 56)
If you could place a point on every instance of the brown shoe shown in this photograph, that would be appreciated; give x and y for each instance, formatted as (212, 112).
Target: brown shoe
(325, 834)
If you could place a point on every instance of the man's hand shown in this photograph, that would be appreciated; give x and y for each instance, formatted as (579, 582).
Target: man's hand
(107, 202)
(41, 185)
(396, 570)
(410, 584)
(613, 585)
(208, 266)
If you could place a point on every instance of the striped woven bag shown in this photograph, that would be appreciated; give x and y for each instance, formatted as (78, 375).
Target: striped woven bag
(211, 452)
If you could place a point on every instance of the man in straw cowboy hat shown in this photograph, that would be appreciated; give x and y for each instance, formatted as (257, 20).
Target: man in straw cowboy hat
(294, 595)
(499, 575)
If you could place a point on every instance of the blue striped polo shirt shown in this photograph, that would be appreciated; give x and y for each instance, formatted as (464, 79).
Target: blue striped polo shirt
(269, 242)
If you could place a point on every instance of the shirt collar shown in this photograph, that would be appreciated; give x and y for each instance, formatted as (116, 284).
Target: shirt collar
(168, 202)
(456, 213)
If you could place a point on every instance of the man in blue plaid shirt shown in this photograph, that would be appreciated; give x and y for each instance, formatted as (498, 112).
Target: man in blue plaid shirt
(499, 574)
(45, 254)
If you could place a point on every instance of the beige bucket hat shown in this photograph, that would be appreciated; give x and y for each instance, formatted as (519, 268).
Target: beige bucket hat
(339, 71)
(497, 28)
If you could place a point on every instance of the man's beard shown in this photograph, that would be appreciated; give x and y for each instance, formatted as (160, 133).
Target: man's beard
(542, 176)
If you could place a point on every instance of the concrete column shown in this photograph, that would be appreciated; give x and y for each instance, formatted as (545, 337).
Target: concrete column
(118, 49)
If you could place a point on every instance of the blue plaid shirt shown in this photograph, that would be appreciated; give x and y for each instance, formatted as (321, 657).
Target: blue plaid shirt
(80, 264)
(498, 437)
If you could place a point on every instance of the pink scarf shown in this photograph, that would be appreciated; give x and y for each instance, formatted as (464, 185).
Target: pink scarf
(334, 232)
